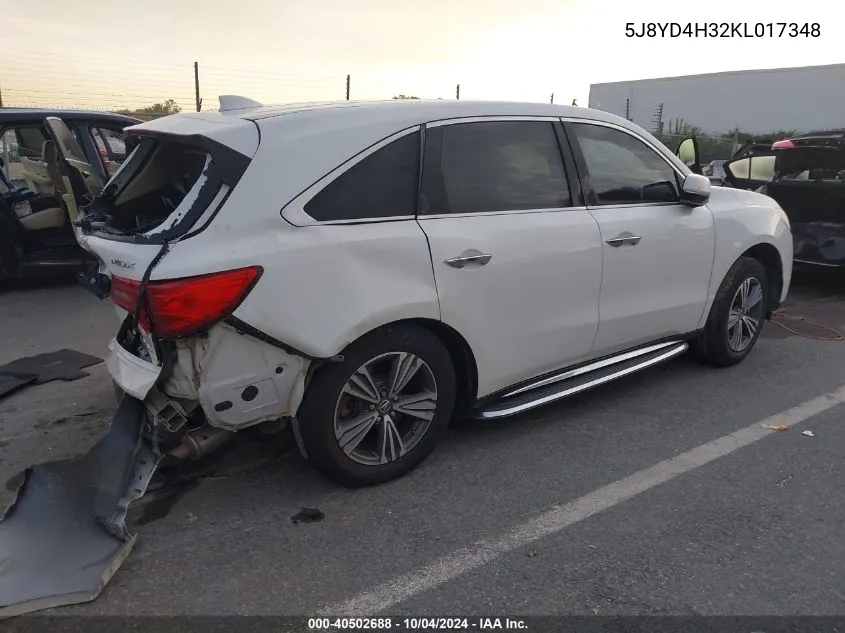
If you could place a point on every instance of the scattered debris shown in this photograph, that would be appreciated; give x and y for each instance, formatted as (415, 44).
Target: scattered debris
(808, 433)
(308, 515)
(12, 381)
(776, 427)
(780, 483)
(65, 364)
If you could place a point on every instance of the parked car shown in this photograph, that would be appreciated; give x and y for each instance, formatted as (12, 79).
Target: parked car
(714, 170)
(369, 271)
(41, 194)
(806, 175)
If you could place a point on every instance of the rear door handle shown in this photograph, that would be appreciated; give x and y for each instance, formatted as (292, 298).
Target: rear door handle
(468, 259)
(624, 239)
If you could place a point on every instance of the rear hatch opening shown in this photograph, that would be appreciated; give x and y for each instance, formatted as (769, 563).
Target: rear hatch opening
(166, 185)
(809, 184)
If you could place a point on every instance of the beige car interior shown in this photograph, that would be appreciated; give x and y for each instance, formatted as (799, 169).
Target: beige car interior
(163, 168)
(45, 178)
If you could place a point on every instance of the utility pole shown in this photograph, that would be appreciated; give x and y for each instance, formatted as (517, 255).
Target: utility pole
(458, 92)
(348, 85)
(197, 86)
(658, 121)
(552, 99)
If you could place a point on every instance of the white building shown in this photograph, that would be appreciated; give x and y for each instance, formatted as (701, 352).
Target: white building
(754, 101)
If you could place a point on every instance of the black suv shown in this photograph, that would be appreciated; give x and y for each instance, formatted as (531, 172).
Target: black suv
(805, 174)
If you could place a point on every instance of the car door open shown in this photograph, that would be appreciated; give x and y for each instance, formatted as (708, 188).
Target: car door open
(517, 266)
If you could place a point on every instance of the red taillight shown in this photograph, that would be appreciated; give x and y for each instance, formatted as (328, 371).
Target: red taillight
(186, 306)
(783, 145)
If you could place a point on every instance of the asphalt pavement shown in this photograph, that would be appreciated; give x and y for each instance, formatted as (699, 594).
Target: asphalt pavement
(659, 494)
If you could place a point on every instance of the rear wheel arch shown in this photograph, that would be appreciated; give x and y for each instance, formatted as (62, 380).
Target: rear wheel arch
(463, 359)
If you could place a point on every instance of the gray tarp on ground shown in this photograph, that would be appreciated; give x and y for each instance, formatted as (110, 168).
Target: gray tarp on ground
(65, 536)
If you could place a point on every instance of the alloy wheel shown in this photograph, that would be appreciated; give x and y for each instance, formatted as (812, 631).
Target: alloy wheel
(385, 408)
(746, 314)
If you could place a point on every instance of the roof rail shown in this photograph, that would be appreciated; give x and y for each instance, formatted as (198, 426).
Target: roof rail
(235, 102)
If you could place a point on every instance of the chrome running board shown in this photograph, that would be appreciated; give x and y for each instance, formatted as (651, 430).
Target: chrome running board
(568, 383)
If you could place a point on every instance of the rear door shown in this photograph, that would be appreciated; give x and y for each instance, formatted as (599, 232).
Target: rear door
(73, 155)
(516, 255)
(750, 172)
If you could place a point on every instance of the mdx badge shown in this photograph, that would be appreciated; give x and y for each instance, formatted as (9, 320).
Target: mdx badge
(122, 263)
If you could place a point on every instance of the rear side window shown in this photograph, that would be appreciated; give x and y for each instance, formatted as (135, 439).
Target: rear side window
(623, 169)
(382, 185)
(30, 141)
(493, 166)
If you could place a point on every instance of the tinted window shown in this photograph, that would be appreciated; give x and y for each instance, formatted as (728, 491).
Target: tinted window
(623, 169)
(493, 166)
(112, 140)
(382, 185)
(754, 168)
(30, 142)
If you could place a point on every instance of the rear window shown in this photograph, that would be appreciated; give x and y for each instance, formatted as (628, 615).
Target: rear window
(164, 186)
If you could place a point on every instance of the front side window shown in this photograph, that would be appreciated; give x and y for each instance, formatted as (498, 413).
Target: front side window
(623, 169)
(493, 166)
(382, 185)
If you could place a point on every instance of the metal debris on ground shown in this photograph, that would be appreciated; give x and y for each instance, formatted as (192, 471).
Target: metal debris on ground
(65, 536)
(776, 427)
(808, 433)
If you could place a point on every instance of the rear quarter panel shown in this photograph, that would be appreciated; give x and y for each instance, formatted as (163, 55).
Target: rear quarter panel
(322, 286)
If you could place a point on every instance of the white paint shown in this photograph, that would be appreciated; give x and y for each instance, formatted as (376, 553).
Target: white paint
(554, 293)
(132, 374)
(560, 517)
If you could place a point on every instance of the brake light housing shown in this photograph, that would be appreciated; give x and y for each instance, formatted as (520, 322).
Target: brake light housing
(176, 308)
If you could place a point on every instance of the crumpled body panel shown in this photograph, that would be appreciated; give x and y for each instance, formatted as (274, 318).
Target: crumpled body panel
(65, 536)
(819, 243)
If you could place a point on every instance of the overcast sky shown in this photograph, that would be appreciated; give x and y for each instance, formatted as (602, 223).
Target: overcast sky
(116, 51)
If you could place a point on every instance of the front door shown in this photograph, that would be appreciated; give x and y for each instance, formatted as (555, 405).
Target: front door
(657, 252)
(517, 266)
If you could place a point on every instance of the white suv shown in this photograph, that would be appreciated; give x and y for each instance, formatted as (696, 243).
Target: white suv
(371, 270)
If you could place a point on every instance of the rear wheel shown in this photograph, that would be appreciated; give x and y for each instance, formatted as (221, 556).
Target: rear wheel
(737, 315)
(377, 414)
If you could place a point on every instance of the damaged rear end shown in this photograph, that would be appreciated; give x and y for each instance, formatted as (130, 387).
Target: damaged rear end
(809, 184)
(190, 371)
(177, 287)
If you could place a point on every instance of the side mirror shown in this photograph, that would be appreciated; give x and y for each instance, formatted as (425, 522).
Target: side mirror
(695, 190)
(688, 153)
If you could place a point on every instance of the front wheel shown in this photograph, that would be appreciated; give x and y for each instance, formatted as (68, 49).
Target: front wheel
(736, 316)
(377, 414)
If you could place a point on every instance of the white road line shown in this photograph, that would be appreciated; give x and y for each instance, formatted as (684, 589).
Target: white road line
(560, 517)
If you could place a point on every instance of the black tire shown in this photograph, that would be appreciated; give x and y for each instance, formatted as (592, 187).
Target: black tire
(316, 416)
(712, 346)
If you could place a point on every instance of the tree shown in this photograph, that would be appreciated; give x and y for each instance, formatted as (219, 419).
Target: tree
(168, 107)
(404, 97)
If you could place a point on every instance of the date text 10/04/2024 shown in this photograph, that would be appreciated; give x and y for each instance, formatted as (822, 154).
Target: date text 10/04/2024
(417, 624)
(724, 29)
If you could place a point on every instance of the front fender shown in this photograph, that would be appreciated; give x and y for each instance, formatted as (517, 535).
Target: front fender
(744, 220)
